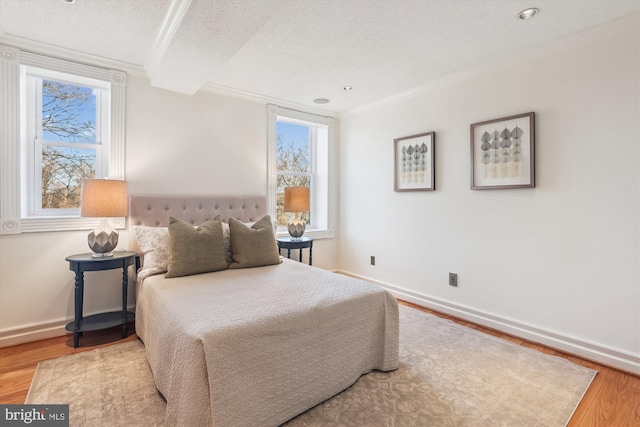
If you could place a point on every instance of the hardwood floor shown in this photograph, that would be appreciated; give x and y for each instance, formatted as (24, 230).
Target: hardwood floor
(18, 363)
(612, 400)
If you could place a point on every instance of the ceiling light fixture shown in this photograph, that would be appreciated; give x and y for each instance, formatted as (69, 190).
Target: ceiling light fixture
(347, 88)
(528, 13)
(68, 1)
(321, 101)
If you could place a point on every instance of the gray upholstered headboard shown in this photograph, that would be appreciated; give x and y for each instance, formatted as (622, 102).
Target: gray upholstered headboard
(155, 210)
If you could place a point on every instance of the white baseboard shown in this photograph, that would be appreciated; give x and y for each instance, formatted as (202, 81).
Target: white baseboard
(592, 351)
(39, 331)
(602, 354)
(32, 333)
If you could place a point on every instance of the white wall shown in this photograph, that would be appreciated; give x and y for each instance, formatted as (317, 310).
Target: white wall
(200, 144)
(562, 258)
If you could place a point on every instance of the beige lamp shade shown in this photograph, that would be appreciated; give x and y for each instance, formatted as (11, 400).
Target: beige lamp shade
(296, 199)
(104, 198)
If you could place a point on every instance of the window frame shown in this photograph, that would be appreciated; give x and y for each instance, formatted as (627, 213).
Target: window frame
(15, 216)
(320, 182)
(31, 87)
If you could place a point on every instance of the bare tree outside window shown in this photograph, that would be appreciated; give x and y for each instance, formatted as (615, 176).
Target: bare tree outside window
(68, 132)
(62, 173)
(293, 164)
(68, 112)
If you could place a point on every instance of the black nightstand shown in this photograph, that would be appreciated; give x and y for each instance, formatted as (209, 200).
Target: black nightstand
(288, 243)
(85, 262)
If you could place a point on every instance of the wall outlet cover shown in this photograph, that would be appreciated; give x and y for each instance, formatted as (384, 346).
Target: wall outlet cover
(453, 279)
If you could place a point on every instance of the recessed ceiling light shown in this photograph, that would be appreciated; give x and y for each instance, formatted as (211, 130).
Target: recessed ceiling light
(321, 101)
(347, 88)
(528, 13)
(68, 1)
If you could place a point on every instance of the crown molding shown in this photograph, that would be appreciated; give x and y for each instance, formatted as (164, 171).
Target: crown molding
(263, 99)
(139, 71)
(71, 55)
(627, 23)
(605, 30)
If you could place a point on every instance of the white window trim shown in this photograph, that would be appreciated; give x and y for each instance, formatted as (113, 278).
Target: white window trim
(273, 112)
(31, 81)
(12, 217)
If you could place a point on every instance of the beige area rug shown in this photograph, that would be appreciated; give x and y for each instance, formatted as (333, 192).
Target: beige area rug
(449, 375)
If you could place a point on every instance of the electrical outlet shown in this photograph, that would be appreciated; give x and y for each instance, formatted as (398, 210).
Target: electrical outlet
(453, 279)
(373, 260)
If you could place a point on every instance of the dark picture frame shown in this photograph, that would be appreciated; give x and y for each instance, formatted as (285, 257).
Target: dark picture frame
(414, 162)
(503, 153)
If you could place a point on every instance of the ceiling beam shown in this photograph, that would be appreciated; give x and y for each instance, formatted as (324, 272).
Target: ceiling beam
(175, 14)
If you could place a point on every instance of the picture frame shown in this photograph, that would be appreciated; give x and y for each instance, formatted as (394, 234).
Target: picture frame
(503, 153)
(414, 162)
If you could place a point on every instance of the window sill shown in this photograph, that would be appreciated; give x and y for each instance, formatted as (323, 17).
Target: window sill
(316, 234)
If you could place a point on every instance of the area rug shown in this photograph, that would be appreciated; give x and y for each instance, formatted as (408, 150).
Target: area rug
(449, 375)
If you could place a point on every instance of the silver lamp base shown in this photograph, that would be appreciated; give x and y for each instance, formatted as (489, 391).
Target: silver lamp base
(296, 229)
(103, 240)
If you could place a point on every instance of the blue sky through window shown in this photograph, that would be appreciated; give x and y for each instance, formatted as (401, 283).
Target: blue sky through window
(296, 134)
(67, 107)
(293, 147)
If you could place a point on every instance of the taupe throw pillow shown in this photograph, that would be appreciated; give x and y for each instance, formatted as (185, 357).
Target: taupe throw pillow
(253, 246)
(195, 250)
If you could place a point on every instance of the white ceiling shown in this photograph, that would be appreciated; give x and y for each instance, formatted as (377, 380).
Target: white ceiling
(299, 50)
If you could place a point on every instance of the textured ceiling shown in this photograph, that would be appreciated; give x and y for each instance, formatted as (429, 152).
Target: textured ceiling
(299, 50)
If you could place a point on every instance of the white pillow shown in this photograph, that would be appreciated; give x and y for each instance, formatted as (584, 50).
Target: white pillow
(154, 243)
(226, 237)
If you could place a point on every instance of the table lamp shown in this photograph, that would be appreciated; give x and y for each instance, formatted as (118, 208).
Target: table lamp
(103, 198)
(296, 199)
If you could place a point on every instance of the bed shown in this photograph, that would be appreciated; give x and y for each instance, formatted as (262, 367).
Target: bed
(252, 346)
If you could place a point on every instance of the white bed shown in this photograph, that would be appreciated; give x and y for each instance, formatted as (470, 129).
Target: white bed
(255, 346)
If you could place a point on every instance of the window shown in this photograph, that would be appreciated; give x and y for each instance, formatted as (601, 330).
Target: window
(66, 139)
(60, 122)
(299, 156)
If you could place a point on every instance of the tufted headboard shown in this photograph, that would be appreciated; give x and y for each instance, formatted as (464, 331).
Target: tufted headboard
(155, 210)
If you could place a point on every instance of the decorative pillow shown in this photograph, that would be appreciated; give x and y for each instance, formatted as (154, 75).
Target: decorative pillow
(154, 245)
(195, 250)
(253, 246)
(226, 233)
(274, 223)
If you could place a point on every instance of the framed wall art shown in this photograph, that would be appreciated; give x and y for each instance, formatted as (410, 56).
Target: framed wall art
(502, 153)
(414, 162)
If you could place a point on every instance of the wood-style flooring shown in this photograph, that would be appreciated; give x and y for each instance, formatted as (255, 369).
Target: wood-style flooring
(612, 400)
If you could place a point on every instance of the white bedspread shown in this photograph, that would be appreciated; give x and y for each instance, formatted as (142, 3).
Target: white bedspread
(258, 346)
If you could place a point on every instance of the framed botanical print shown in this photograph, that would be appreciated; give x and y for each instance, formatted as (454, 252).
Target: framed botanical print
(414, 162)
(502, 153)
